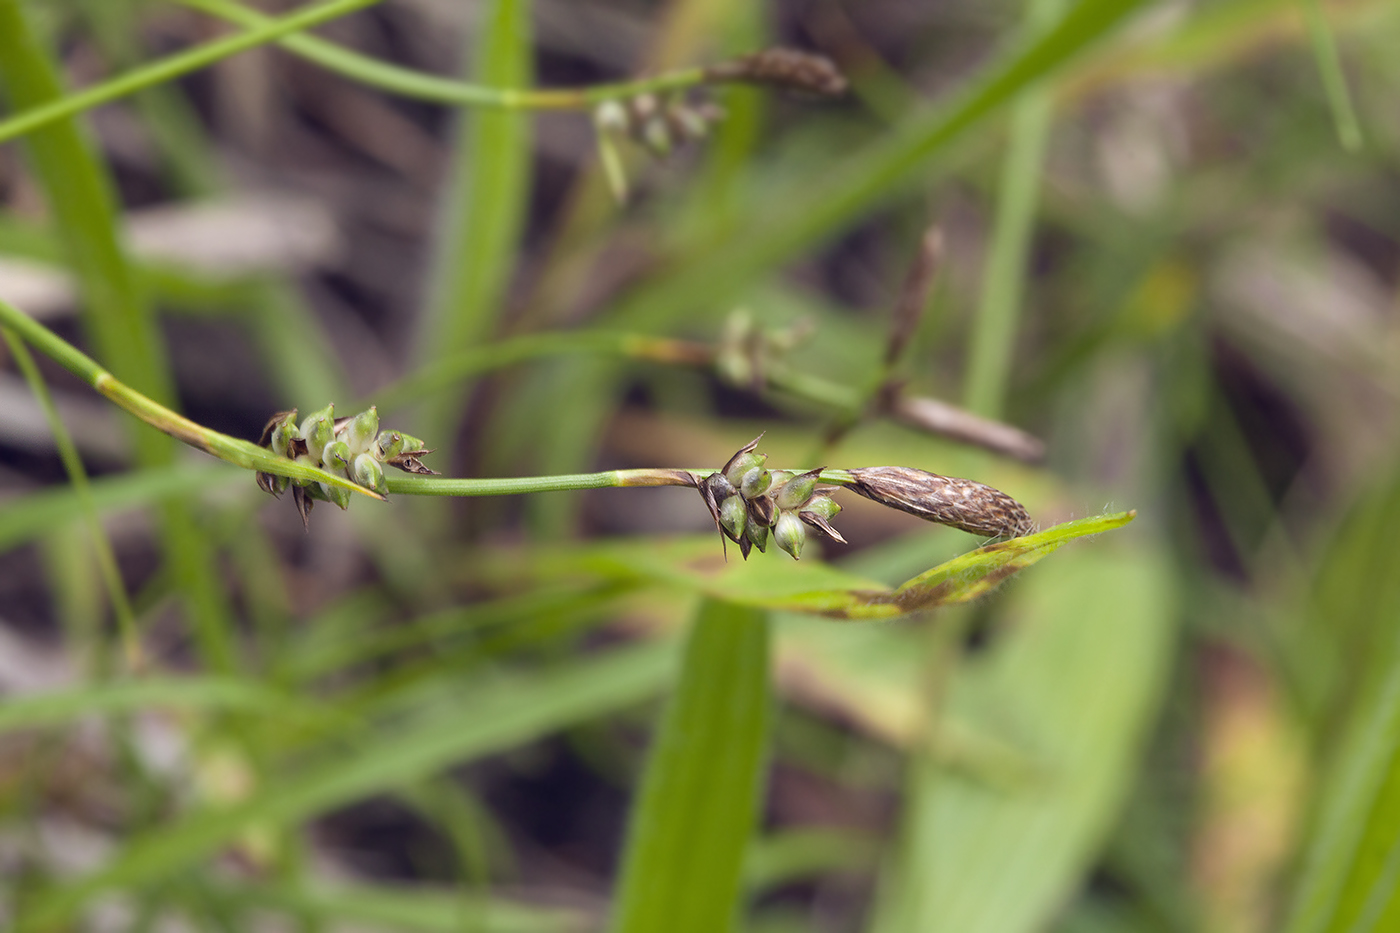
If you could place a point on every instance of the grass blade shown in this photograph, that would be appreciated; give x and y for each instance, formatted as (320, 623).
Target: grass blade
(416, 909)
(1334, 80)
(772, 581)
(484, 211)
(78, 478)
(40, 710)
(996, 845)
(39, 115)
(1005, 274)
(504, 714)
(24, 519)
(699, 799)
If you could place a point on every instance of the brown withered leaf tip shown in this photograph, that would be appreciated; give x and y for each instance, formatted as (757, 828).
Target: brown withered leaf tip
(791, 69)
(962, 503)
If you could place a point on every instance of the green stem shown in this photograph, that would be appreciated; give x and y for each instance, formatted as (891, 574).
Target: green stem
(230, 449)
(519, 485)
(410, 83)
(174, 66)
(77, 476)
(1334, 81)
(445, 372)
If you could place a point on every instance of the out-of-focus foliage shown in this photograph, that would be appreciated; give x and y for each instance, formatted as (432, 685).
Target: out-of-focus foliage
(1170, 249)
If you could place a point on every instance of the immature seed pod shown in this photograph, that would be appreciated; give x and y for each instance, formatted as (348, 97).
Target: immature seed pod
(755, 483)
(337, 494)
(757, 533)
(790, 534)
(795, 492)
(359, 434)
(337, 457)
(369, 473)
(412, 445)
(744, 459)
(389, 445)
(317, 430)
(822, 506)
(282, 434)
(732, 516)
(817, 513)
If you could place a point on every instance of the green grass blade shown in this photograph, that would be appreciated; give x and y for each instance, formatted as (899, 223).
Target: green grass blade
(773, 581)
(1348, 871)
(1069, 695)
(503, 715)
(697, 808)
(486, 207)
(115, 314)
(42, 114)
(416, 909)
(24, 519)
(41, 710)
(78, 478)
(1005, 273)
(1334, 80)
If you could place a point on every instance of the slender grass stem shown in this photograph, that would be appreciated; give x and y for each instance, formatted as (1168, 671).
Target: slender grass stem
(231, 449)
(77, 476)
(519, 485)
(175, 65)
(1334, 80)
(416, 84)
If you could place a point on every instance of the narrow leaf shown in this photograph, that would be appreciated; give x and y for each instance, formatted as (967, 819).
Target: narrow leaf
(700, 795)
(504, 714)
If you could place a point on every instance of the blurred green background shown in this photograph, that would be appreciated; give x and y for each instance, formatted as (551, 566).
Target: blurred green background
(1171, 252)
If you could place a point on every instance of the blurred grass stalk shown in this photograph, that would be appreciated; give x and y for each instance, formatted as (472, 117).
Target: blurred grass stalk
(114, 312)
(78, 479)
(1334, 80)
(993, 342)
(698, 805)
(54, 108)
(483, 214)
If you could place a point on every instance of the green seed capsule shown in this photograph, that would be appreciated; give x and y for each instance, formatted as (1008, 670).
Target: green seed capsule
(732, 516)
(282, 434)
(757, 533)
(790, 534)
(337, 457)
(823, 506)
(412, 445)
(337, 494)
(389, 445)
(795, 492)
(317, 430)
(742, 465)
(359, 434)
(755, 483)
(369, 473)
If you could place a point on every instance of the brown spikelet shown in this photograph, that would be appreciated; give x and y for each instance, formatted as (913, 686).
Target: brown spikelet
(962, 503)
(787, 68)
